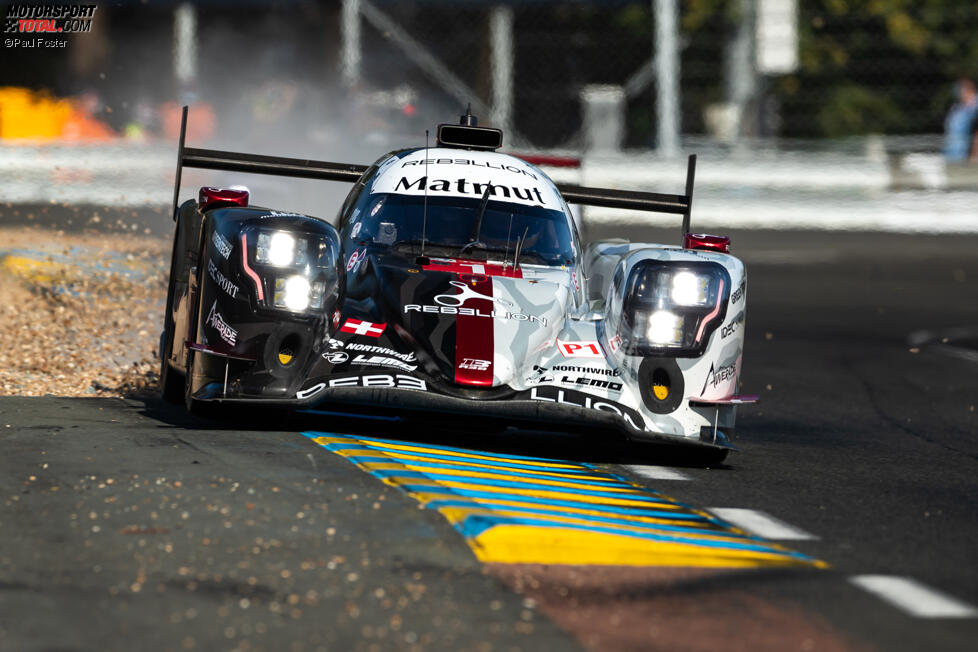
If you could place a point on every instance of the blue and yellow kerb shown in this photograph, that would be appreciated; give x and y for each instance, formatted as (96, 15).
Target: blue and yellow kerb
(515, 509)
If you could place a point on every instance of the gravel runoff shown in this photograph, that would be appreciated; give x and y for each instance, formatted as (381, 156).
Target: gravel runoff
(80, 313)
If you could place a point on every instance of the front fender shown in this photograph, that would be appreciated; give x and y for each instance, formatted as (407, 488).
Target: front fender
(713, 373)
(243, 331)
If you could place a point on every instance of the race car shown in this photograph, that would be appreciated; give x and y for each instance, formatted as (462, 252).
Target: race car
(453, 282)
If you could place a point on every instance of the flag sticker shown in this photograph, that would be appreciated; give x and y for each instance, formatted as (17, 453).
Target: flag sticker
(358, 327)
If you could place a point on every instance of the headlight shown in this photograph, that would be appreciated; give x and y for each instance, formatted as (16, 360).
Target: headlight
(672, 307)
(297, 294)
(665, 328)
(295, 268)
(688, 288)
(281, 249)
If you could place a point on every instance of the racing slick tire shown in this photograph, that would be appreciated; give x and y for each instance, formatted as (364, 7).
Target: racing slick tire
(171, 381)
(195, 407)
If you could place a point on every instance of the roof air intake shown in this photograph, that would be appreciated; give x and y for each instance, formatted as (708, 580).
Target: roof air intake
(467, 135)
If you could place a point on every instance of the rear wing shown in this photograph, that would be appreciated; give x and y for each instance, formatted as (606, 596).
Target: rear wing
(636, 200)
(211, 159)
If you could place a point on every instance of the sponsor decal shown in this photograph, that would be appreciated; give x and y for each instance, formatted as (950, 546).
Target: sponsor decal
(382, 361)
(336, 319)
(464, 295)
(732, 326)
(716, 376)
(336, 357)
(355, 259)
(464, 161)
(472, 312)
(370, 348)
(397, 381)
(221, 280)
(582, 349)
(221, 244)
(583, 370)
(583, 381)
(475, 364)
(542, 376)
(358, 327)
(615, 343)
(527, 194)
(356, 229)
(450, 304)
(470, 181)
(738, 293)
(574, 398)
(217, 322)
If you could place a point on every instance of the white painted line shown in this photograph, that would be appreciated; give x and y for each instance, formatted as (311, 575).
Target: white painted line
(656, 472)
(761, 524)
(913, 597)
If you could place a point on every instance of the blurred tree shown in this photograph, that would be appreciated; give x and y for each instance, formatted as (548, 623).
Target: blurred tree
(877, 66)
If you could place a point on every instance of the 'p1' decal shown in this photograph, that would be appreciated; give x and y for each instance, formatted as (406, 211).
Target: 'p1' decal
(583, 349)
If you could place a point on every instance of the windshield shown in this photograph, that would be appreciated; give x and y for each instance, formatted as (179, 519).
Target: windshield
(395, 220)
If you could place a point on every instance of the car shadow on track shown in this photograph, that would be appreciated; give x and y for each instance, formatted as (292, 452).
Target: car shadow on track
(589, 445)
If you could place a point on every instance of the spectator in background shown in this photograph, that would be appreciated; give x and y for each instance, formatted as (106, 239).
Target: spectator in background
(961, 124)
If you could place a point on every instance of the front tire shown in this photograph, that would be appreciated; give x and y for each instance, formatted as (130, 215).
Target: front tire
(205, 409)
(171, 381)
(195, 407)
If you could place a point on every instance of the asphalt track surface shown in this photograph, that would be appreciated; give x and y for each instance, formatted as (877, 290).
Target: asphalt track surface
(128, 523)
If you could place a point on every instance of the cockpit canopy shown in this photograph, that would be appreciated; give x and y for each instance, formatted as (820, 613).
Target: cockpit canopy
(476, 205)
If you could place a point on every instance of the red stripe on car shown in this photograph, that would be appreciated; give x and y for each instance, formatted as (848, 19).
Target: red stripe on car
(474, 342)
(472, 267)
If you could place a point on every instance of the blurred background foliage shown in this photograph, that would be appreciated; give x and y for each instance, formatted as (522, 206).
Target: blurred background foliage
(865, 66)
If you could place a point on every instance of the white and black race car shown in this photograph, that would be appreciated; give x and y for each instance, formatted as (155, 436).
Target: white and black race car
(453, 281)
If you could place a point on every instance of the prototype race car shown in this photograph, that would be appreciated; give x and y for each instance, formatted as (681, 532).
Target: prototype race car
(454, 281)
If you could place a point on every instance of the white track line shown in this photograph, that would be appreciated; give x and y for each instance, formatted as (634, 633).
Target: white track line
(913, 597)
(761, 524)
(655, 472)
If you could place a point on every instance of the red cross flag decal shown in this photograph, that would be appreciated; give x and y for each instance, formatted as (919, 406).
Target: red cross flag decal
(358, 327)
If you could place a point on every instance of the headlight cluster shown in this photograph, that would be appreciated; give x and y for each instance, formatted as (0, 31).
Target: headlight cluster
(295, 265)
(671, 308)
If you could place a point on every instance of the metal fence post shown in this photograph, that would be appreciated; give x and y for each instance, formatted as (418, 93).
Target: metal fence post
(667, 76)
(185, 44)
(350, 26)
(501, 40)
